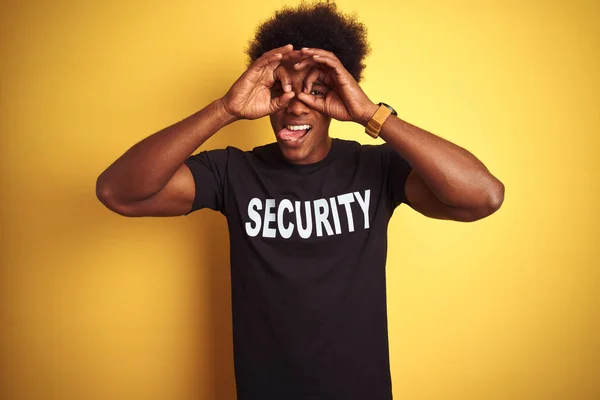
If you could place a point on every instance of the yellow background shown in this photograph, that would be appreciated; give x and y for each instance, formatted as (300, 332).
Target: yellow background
(98, 306)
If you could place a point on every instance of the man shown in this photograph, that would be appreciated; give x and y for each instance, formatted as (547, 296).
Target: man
(307, 215)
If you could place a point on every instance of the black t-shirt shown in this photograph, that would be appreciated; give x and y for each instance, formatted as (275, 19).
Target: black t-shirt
(308, 250)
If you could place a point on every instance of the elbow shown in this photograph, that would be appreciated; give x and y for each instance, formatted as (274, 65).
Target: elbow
(491, 202)
(103, 191)
(496, 197)
(105, 194)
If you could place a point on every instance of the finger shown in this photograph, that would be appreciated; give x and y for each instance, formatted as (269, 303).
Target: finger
(265, 60)
(280, 74)
(330, 62)
(266, 73)
(321, 62)
(316, 103)
(273, 55)
(319, 52)
(342, 76)
(281, 101)
(305, 62)
(310, 78)
(283, 49)
(293, 55)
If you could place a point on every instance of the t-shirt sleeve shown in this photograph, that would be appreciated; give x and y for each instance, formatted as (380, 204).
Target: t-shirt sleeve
(209, 169)
(398, 170)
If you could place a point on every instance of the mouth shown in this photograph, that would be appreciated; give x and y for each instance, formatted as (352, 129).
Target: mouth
(293, 135)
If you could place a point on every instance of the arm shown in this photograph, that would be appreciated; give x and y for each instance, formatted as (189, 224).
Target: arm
(447, 181)
(151, 179)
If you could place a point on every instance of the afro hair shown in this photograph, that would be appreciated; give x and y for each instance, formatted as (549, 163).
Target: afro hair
(315, 25)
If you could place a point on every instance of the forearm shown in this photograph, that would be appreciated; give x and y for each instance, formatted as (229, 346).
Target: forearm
(145, 168)
(454, 175)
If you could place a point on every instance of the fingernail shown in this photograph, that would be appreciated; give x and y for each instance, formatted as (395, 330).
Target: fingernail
(305, 48)
(287, 88)
(315, 56)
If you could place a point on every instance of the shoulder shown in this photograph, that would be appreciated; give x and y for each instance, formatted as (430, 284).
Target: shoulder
(384, 152)
(266, 150)
(214, 160)
(374, 157)
(383, 149)
(384, 158)
(354, 146)
(373, 152)
(222, 154)
(233, 156)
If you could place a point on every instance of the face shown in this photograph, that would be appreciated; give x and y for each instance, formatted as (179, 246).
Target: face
(298, 144)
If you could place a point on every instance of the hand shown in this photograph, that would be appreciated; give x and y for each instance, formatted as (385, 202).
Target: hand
(250, 96)
(345, 101)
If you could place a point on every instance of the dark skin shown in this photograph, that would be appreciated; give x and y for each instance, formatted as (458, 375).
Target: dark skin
(316, 144)
(296, 88)
(447, 181)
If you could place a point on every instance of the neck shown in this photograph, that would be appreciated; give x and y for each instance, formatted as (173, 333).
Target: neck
(318, 154)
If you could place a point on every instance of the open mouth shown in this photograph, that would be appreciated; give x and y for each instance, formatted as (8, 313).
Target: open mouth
(293, 134)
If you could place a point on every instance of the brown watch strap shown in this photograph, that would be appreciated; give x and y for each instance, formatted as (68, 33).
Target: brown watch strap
(376, 122)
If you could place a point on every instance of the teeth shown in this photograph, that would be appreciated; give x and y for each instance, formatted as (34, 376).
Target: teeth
(297, 127)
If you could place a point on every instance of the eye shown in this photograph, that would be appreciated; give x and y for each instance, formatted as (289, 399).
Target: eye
(316, 93)
(276, 90)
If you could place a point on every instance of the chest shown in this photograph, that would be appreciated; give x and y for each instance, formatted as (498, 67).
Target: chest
(343, 198)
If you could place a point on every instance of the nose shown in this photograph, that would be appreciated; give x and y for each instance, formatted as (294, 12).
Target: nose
(297, 107)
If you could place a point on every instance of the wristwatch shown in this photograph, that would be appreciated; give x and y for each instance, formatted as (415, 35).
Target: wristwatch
(376, 122)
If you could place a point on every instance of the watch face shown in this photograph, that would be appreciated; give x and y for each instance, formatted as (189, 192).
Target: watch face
(390, 107)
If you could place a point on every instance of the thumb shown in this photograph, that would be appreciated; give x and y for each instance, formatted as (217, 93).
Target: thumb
(313, 102)
(281, 101)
